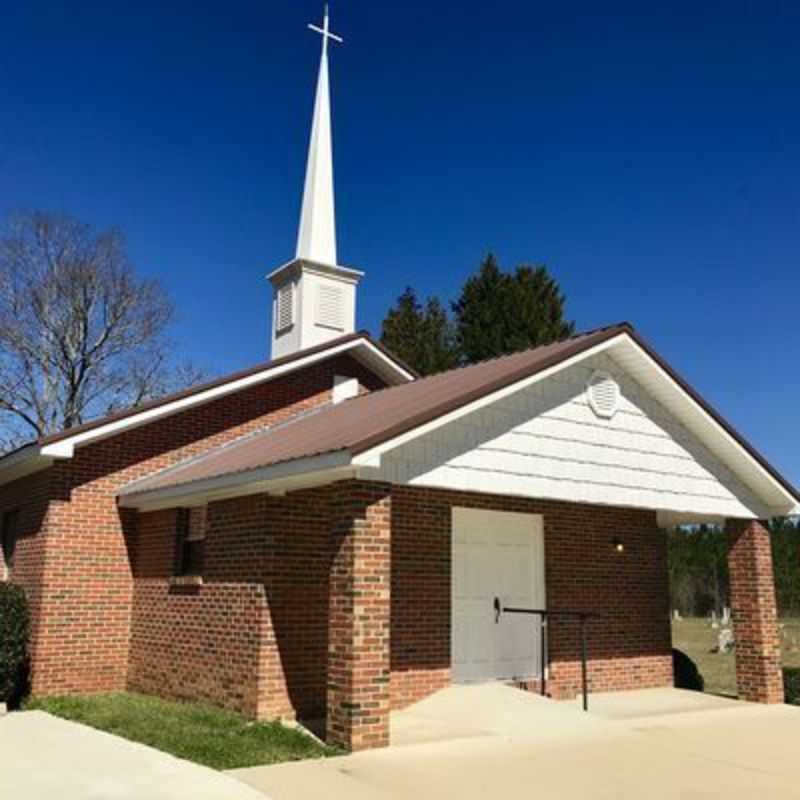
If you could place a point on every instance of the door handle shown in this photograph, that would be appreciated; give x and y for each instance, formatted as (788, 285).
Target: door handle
(497, 610)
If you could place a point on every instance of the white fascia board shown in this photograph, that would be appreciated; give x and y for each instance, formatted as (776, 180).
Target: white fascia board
(277, 478)
(371, 457)
(761, 471)
(394, 366)
(66, 447)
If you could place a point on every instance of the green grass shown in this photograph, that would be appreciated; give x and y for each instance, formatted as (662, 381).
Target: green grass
(696, 638)
(205, 735)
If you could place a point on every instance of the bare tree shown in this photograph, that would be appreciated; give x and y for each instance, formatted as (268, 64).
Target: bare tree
(80, 333)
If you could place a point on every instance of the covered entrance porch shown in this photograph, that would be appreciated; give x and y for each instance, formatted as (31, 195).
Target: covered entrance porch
(413, 600)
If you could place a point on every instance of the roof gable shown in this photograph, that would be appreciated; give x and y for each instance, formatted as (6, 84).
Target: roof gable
(547, 441)
(44, 451)
(363, 431)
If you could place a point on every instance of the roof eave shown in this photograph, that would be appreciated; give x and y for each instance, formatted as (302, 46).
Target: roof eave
(303, 473)
(790, 494)
(28, 460)
(360, 346)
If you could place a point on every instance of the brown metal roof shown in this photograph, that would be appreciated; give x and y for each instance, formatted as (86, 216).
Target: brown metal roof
(218, 382)
(361, 423)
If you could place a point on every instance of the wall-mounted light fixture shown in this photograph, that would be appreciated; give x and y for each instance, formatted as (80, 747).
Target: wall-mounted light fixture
(618, 545)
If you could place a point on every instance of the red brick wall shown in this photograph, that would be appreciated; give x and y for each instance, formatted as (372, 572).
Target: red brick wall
(84, 595)
(266, 555)
(755, 617)
(286, 546)
(359, 628)
(630, 648)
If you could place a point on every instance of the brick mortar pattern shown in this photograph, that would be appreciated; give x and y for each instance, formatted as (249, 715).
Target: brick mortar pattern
(285, 545)
(755, 618)
(75, 558)
(359, 616)
(277, 547)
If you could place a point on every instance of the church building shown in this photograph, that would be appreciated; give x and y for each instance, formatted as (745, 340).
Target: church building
(328, 535)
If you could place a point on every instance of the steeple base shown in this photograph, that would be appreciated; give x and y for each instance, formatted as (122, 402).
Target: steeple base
(312, 304)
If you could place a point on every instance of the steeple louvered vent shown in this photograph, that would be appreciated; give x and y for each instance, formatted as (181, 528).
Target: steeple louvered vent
(284, 318)
(330, 307)
(603, 394)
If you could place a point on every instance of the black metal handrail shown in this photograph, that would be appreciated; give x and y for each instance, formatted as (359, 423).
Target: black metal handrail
(544, 614)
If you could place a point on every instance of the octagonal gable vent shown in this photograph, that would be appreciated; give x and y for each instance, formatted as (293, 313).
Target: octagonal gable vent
(603, 394)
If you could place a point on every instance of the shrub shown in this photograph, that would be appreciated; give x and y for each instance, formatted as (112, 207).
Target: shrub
(685, 672)
(14, 634)
(791, 684)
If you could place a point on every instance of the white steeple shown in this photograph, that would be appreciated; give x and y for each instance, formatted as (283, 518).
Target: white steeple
(314, 298)
(316, 239)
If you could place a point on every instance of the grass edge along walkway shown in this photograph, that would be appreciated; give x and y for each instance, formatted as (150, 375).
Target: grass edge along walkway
(203, 734)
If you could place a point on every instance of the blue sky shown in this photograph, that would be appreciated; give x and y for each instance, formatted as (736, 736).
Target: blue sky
(647, 153)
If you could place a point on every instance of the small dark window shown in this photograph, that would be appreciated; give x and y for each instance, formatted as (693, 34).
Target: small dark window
(191, 541)
(9, 538)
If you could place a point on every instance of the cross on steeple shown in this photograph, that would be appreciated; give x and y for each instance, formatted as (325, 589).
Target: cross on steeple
(325, 31)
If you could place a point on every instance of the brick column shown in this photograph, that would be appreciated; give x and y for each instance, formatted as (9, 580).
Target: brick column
(359, 623)
(755, 620)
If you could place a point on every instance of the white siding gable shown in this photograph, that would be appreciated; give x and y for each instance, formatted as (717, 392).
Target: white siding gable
(546, 441)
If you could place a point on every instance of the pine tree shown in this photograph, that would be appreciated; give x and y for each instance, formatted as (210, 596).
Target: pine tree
(423, 338)
(437, 348)
(480, 313)
(498, 313)
(401, 327)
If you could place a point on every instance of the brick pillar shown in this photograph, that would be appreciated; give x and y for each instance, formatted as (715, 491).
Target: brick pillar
(755, 620)
(359, 623)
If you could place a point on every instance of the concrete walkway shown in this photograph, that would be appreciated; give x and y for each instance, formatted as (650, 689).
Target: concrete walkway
(490, 742)
(46, 758)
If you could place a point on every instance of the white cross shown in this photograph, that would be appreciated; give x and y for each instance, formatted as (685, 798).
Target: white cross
(325, 31)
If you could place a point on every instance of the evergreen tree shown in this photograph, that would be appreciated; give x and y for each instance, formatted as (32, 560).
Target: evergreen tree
(499, 313)
(402, 326)
(481, 312)
(437, 348)
(698, 568)
(785, 537)
(422, 337)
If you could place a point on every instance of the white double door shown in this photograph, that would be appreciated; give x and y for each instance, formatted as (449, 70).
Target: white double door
(498, 562)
